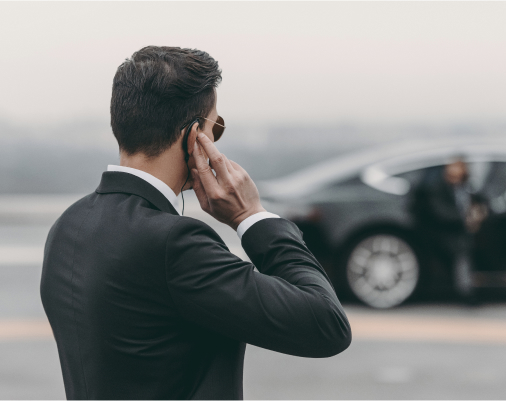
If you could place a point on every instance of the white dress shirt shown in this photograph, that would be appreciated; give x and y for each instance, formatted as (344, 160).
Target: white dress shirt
(172, 197)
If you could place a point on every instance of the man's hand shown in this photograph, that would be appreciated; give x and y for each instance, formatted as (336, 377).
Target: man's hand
(475, 216)
(231, 196)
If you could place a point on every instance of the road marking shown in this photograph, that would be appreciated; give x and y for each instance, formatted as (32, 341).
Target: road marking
(371, 327)
(427, 328)
(24, 329)
(33, 255)
(21, 255)
(29, 205)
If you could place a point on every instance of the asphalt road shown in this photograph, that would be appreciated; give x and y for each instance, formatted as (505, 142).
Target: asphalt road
(420, 351)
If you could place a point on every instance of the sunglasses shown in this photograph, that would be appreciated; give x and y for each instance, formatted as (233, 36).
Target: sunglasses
(218, 127)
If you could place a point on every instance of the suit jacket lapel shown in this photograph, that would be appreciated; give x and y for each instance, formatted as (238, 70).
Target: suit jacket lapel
(119, 182)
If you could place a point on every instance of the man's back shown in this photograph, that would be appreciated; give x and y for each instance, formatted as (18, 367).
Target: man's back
(104, 283)
(146, 304)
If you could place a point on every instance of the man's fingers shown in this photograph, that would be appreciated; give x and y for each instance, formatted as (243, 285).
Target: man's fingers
(217, 160)
(236, 166)
(206, 176)
(230, 168)
(199, 191)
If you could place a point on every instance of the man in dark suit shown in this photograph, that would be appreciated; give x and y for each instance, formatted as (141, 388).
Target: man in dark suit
(447, 214)
(147, 304)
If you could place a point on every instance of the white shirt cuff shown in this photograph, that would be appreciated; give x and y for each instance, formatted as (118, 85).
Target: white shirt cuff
(248, 222)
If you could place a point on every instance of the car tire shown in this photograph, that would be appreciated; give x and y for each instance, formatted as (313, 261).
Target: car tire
(382, 270)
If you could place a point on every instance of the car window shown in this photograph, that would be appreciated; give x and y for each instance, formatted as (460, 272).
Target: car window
(495, 181)
(479, 173)
(413, 176)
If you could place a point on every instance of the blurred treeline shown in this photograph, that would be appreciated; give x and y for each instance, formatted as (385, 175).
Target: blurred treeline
(69, 157)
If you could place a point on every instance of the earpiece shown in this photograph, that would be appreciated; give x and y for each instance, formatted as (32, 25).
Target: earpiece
(185, 139)
(187, 155)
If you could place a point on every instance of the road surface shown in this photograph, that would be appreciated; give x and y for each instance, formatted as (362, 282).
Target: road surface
(419, 351)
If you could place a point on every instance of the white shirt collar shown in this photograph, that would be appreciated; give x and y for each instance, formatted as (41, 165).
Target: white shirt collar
(157, 183)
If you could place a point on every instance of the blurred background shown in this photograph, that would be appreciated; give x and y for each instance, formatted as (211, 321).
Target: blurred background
(378, 127)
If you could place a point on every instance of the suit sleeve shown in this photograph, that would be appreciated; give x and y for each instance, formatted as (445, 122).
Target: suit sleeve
(288, 306)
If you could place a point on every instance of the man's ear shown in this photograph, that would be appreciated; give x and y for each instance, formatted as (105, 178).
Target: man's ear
(192, 137)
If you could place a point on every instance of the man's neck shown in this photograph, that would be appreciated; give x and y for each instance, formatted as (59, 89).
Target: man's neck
(166, 167)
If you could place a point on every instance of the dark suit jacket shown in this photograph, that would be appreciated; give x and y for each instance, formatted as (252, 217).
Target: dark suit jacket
(147, 304)
(434, 206)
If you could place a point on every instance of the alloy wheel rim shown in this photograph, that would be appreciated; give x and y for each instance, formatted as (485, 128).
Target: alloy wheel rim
(382, 271)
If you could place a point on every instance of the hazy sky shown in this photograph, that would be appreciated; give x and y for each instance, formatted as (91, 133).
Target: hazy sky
(299, 62)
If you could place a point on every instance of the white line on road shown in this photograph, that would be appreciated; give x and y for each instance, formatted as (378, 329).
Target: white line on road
(33, 255)
(21, 255)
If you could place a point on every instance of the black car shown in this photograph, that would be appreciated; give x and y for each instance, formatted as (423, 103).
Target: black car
(356, 217)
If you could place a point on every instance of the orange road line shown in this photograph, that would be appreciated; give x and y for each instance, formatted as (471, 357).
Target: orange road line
(371, 327)
(425, 328)
(25, 329)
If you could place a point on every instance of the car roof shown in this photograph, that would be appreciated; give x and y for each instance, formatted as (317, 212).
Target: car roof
(392, 158)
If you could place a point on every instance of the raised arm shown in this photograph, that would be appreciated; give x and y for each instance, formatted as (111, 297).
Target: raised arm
(289, 306)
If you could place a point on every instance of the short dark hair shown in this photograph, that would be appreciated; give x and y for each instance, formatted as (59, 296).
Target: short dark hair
(157, 91)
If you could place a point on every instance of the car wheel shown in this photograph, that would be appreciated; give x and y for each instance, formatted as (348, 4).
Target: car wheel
(382, 270)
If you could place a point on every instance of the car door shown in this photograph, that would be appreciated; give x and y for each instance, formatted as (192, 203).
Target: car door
(490, 249)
